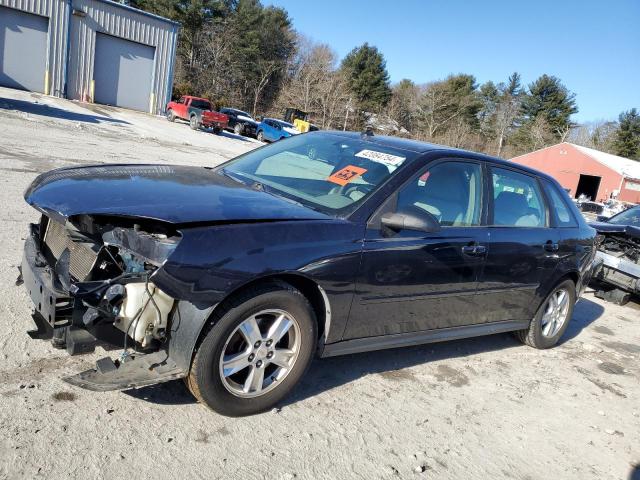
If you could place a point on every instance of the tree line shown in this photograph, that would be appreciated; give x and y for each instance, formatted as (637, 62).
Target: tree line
(242, 54)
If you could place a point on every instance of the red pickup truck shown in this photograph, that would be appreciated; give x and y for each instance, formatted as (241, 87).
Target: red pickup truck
(199, 112)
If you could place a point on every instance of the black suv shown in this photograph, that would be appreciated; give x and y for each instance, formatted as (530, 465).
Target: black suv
(234, 277)
(241, 123)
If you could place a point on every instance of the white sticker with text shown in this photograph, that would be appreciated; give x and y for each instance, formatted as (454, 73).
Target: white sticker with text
(380, 157)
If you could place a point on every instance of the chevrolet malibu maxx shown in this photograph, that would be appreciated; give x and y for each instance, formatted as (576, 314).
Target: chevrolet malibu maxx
(234, 277)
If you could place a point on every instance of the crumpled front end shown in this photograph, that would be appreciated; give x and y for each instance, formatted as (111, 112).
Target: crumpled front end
(92, 283)
(618, 257)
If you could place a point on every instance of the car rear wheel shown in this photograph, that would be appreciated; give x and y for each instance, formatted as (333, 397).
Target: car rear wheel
(260, 137)
(552, 318)
(255, 352)
(194, 123)
(217, 130)
(238, 129)
(170, 116)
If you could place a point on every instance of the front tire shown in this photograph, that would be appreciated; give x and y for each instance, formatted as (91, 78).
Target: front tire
(170, 116)
(256, 350)
(552, 318)
(260, 136)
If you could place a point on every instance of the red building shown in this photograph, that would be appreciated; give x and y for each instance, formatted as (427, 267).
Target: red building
(583, 170)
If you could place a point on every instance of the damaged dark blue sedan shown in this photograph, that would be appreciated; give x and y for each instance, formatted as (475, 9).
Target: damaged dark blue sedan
(327, 243)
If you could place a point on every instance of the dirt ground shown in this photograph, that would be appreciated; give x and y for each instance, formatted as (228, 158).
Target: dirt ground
(474, 409)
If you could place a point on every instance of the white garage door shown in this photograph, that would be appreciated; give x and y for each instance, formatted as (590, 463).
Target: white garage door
(123, 72)
(23, 49)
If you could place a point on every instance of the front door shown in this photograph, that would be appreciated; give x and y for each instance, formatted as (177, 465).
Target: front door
(412, 281)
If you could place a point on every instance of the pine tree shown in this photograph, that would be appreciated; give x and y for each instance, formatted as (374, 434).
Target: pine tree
(550, 102)
(367, 77)
(627, 138)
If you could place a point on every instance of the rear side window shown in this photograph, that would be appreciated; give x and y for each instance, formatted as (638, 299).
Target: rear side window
(559, 206)
(517, 200)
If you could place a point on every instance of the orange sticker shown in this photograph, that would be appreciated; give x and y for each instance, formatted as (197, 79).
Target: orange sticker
(346, 174)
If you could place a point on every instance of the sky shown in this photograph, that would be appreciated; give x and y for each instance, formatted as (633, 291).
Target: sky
(592, 46)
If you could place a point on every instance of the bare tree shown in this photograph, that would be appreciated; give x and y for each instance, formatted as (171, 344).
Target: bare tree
(266, 69)
(314, 84)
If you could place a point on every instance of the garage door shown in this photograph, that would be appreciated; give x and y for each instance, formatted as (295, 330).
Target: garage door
(23, 49)
(123, 72)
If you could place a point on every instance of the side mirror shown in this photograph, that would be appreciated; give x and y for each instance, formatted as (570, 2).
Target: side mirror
(402, 220)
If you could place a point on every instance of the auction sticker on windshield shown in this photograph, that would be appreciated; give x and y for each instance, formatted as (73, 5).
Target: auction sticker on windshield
(346, 174)
(380, 157)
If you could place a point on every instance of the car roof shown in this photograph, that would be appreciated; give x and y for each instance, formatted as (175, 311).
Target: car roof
(277, 120)
(426, 147)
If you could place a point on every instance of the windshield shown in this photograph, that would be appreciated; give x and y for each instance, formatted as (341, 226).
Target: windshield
(326, 172)
(628, 217)
(201, 104)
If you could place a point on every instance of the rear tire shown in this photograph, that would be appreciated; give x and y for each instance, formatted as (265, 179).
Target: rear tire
(194, 123)
(217, 130)
(238, 129)
(230, 390)
(550, 323)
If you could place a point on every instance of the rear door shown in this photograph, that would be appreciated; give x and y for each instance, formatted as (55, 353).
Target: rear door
(414, 281)
(523, 246)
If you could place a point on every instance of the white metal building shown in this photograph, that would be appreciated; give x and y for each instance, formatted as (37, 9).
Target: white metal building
(90, 50)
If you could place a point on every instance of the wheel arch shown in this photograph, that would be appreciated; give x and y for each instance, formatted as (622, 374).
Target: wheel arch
(313, 292)
(572, 275)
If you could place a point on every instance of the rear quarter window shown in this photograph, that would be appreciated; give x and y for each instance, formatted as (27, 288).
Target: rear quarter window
(558, 206)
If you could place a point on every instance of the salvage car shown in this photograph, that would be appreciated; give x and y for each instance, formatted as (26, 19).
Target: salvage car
(241, 123)
(618, 256)
(234, 277)
(198, 112)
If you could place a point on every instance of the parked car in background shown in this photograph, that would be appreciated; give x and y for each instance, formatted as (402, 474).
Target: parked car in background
(234, 277)
(618, 255)
(241, 123)
(272, 130)
(198, 112)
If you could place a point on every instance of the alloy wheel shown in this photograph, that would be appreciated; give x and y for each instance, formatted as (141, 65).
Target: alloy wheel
(555, 312)
(260, 353)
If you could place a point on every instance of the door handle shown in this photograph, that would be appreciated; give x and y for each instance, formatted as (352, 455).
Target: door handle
(551, 246)
(474, 250)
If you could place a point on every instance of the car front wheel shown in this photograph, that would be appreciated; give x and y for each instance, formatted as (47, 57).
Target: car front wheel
(552, 318)
(170, 116)
(260, 137)
(256, 350)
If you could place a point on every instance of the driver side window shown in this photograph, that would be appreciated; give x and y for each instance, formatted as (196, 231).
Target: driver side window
(450, 191)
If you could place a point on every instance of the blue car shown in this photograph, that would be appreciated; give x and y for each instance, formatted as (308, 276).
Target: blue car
(272, 130)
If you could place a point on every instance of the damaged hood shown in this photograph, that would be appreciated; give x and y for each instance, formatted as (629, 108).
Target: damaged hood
(173, 194)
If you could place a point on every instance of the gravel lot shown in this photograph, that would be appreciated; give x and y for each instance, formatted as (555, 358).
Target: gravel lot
(480, 408)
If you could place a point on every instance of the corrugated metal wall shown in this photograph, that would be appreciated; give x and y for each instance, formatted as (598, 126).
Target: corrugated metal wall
(72, 35)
